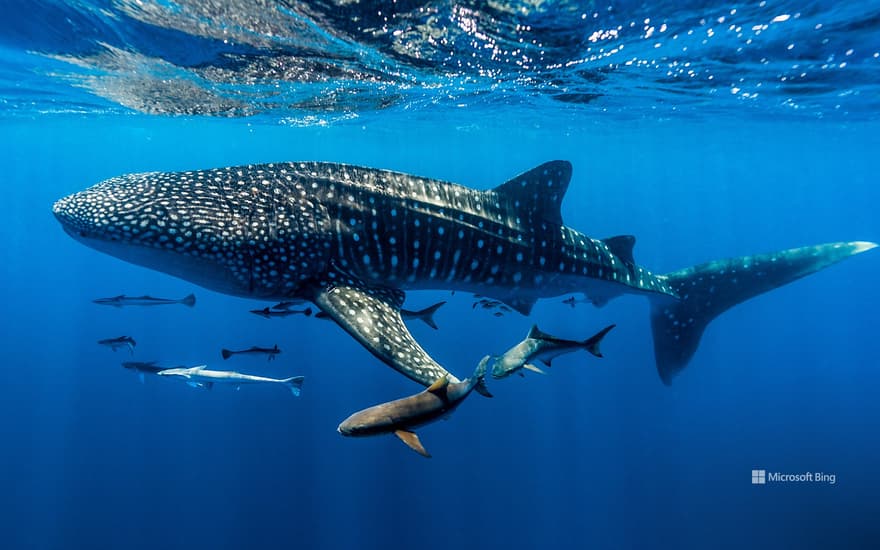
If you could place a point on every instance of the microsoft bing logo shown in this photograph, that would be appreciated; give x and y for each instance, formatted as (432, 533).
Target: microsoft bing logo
(759, 477)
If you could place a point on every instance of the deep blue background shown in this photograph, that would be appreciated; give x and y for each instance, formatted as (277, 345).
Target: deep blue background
(599, 453)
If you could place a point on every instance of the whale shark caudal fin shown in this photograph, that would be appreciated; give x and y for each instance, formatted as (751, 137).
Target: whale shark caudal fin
(294, 384)
(226, 353)
(189, 300)
(707, 290)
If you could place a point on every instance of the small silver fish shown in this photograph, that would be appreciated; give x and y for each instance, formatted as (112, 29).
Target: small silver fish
(123, 300)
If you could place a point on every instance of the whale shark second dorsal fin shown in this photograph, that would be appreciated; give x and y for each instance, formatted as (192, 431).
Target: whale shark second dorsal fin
(622, 247)
(539, 191)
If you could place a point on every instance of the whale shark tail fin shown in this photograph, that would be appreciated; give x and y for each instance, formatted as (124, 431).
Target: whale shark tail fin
(226, 353)
(707, 290)
(190, 300)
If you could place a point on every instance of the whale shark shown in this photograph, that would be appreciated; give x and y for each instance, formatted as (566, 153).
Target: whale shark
(352, 240)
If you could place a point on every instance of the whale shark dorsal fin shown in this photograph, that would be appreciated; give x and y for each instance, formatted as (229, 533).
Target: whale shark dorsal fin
(622, 247)
(198, 368)
(412, 441)
(539, 191)
(441, 383)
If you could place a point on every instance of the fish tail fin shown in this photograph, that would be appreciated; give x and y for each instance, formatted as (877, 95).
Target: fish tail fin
(707, 290)
(427, 315)
(591, 344)
(225, 353)
(189, 301)
(480, 375)
(294, 384)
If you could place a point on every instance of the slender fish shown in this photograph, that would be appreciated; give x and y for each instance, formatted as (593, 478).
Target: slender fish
(268, 313)
(253, 350)
(119, 342)
(201, 377)
(142, 368)
(123, 300)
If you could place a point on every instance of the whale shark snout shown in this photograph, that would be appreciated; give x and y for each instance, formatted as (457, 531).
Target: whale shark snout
(225, 230)
(113, 210)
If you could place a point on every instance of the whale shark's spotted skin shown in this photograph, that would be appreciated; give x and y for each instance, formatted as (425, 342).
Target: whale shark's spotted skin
(351, 239)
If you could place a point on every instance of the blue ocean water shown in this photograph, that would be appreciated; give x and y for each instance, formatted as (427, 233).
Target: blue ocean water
(598, 453)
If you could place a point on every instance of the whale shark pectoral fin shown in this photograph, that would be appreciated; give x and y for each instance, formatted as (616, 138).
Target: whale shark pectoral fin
(372, 316)
(412, 441)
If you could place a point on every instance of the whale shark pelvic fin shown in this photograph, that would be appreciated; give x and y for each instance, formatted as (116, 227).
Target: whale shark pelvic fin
(707, 290)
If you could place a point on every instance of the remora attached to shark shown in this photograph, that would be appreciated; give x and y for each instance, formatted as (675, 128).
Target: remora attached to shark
(352, 240)
(402, 416)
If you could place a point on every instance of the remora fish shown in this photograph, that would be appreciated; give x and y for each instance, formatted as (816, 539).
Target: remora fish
(402, 416)
(352, 240)
(119, 342)
(201, 377)
(123, 300)
(268, 313)
(572, 301)
(543, 347)
(424, 315)
(142, 368)
(255, 350)
(286, 305)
